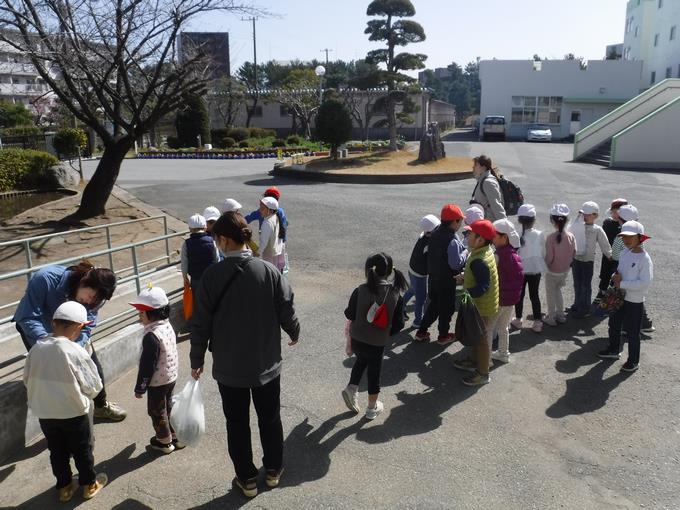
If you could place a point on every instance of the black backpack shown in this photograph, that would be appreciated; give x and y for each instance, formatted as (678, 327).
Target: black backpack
(512, 195)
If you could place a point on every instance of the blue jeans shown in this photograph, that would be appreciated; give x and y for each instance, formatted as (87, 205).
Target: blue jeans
(583, 279)
(418, 289)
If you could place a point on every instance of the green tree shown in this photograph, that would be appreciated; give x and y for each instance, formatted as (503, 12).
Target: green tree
(12, 115)
(394, 33)
(193, 120)
(68, 141)
(333, 124)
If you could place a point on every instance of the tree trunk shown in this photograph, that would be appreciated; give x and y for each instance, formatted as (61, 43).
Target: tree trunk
(251, 111)
(98, 190)
(392, 123)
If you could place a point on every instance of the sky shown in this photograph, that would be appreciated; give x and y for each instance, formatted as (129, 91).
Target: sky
(456, 30)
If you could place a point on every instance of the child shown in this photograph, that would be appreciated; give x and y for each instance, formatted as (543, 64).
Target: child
(157, 366)
(370, 334)
(634, 275)
(445, 259)
(230, 205)
(480, 280)
(473, 213)
(211, 215)
(532, 253)
(272, 233)
(417, 270)
(274, 193)
(588, 236)
(510, 283)
(61, 380)
(198, 252)
(611, 227)
(560, 249)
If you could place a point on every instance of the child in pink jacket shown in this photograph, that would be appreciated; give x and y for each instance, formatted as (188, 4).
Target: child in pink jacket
(560, 249)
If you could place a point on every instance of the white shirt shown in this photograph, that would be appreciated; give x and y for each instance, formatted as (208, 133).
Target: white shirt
(270, 243)
(637, 271)
(60, 378)
(533, 252)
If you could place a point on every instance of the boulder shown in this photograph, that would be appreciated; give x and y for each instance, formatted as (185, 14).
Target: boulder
(431, 146)
(62, 175)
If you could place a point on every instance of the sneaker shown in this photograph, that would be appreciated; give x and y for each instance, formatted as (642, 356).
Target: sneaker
(537, 326)
(349, 395)
(561, 318)
(248, 488)
(90, 491)
(648, 329)
(549, 321)
(66, 493)
(516, 323)
(446, 339)
(179, 445)
(415, 324)
(110, 411)
(607, 354)
(476, 379)
(164, 448)
(629, 367)
(273, 477)
(373, 412)
(500, 356)
(422, 336)
(465, 364)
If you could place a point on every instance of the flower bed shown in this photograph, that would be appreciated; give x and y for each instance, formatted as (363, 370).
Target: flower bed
(222, 154)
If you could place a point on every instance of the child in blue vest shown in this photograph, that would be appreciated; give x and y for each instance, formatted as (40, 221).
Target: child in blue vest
(417, 269)
(198, 252)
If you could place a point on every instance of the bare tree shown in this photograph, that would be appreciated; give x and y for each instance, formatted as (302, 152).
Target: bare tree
(114, 61)
(226, 98)
(300, 95)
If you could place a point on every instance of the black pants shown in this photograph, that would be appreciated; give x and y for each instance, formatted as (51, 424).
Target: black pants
(159, 405)
(236, 407)
(66, 438)
(628, 317)
(533, 281)
(369, 358)
(441, 305)
(100, 399)
(607, 269)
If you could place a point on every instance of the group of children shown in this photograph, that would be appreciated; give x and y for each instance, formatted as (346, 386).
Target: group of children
(495, 263)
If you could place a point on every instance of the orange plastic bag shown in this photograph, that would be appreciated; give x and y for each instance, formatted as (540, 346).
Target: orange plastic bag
(188, 300)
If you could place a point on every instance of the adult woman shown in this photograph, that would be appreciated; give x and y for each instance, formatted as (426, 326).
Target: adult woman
(272, 233)
(487, 192)
(50, 287)
(239, 310)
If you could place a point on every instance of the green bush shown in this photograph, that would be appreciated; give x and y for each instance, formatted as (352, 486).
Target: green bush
(239, 134)
(20, 168)
(243, 144)
(279, 142)
(256, 132)
(28, 130)
(293, 140)
(228, 142)
(173, 142)
(67, 141)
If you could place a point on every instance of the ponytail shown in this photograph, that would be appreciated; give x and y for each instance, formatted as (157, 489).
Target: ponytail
(526, 222)
(560, 222)
(379, 267)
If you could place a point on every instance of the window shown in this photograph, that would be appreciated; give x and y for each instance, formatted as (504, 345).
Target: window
(653, 78)
(673, 30)
(257, 112)
(656, 40)
(669, 72)
(532, 109)
(284, 111)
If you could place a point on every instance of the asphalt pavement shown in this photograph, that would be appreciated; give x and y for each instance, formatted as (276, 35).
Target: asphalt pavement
(555, 428)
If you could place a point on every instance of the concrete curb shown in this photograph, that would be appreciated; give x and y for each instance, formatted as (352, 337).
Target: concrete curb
(368, 178)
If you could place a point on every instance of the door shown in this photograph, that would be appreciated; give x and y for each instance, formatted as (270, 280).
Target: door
(575, 125)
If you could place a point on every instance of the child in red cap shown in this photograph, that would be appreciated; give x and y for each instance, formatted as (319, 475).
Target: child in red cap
(480, 280)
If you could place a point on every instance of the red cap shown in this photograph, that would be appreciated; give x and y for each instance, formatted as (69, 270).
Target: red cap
(484, 228)
(272, 192)
(451, 212)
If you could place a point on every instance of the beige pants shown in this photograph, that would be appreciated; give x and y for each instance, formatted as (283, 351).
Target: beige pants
(553, 293)
(501, 326)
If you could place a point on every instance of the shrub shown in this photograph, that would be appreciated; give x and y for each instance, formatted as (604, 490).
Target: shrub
(28, 130)
(279, 142)
(218, 135)
(239, 134)
(193, 121)
(20, 168)
(257, 132)
(243, 144)
(333, 124)
(67, 141)
(173, 142)
(293, 140)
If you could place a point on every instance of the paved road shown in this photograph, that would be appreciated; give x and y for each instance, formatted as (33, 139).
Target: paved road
(556, 428)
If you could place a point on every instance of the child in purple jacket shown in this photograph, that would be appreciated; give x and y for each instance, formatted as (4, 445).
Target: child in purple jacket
(510, 283)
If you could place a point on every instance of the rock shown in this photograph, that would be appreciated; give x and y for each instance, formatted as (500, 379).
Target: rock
(62, 176)
(431, 146)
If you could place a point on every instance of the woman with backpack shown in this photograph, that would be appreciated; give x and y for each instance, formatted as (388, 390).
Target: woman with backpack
(487, 192)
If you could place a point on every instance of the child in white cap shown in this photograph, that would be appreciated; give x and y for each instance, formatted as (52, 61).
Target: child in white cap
(157, 365)
(634, 275)
(588, 236)
(473, 213)
(198, 251)
(211, 215)
(560, 249)
(61, 380)
(417, 268)
(272, 233)
(230, 205)
(532, 253)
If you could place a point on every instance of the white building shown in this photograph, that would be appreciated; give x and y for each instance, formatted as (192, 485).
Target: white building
(561, 93)
(20, 83)
(652, 35)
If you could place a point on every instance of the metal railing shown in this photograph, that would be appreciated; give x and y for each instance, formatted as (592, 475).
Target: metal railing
(26, 242)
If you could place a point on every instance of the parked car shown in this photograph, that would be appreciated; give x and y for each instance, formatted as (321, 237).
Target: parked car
(539, 133)
(493, 125)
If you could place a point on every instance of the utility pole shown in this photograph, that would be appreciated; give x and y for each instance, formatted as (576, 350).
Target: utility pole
(252, 111)
(326, 50)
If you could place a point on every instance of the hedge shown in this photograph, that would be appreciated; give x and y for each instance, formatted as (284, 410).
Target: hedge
(23, 168)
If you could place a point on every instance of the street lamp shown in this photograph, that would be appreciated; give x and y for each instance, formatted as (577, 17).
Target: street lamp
(320, 71)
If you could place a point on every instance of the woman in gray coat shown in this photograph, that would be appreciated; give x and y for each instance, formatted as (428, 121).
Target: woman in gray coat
(487, 192)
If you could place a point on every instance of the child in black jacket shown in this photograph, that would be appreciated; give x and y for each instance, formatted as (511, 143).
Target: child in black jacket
(417, 269)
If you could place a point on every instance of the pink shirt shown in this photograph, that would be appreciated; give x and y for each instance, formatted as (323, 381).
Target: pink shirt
(559, 256)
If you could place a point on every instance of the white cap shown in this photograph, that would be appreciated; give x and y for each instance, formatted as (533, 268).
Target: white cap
(71, 311)
(628, 212)
(474, 213)
(211, 213)
(270, 203)
(429, 222)
(150, 298)
(559, 210)
(505, 226)
(590, 208)
(527, 210)
(196, 221)
(230, 205)
(634, 228)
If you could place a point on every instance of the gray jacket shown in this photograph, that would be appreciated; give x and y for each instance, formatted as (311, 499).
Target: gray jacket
(490, 198)
(359, 303)
(244, 325)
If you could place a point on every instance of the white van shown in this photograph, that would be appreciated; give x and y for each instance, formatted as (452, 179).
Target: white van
(493, 126)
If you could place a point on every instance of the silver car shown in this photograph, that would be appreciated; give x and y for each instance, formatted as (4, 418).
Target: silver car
(539, 133)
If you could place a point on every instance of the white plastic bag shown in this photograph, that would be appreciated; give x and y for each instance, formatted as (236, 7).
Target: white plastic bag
(187, 416)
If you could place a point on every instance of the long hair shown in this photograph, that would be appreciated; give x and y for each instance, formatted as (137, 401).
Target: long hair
(379, 267)
(84, 274)
(560, 222)
(232, 225)
(485, 161)
(526, 222)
